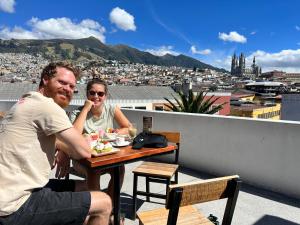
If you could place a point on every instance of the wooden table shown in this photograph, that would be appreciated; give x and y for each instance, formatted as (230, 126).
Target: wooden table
(125, 155)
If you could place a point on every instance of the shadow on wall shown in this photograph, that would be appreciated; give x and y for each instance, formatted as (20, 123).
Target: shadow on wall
(274, 220)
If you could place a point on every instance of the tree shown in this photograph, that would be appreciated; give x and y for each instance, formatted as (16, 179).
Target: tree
(194, 103)
(213, 88)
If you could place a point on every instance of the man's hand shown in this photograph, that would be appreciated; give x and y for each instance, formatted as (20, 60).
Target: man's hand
(62, 163)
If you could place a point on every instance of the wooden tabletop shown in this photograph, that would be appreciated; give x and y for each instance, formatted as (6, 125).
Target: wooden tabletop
(125, 155)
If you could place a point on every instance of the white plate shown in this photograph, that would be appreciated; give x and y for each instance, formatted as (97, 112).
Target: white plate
(109, 137)
(125, 143)
(114, 150)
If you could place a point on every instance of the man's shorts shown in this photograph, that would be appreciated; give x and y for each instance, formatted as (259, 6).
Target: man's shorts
(56, 203)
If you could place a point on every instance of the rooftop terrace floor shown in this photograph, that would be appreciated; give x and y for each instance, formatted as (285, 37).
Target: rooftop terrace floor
(255, 206)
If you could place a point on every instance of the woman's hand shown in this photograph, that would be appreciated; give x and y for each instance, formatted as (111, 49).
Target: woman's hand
(88, 105)
(81, 118)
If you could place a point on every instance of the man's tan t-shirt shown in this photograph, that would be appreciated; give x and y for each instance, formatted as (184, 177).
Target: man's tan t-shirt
(27, 148)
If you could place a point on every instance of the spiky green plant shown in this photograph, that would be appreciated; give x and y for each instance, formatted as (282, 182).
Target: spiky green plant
(194, 103)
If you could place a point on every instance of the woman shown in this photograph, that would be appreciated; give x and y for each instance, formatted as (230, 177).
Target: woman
(97, 114)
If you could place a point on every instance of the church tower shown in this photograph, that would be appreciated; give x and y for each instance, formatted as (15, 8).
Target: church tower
(242, 64)
(239, 69)
(233, 64)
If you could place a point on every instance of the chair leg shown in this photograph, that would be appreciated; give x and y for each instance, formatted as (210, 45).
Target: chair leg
(168, 182)
(134, 195)
(147, 189)
(176, 177)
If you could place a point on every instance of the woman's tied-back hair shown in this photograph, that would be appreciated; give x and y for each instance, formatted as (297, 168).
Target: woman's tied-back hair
(50, 70)
(96, 81)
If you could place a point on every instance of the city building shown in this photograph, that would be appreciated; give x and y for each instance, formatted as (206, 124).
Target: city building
(267, 111)
(282, 76)
(290, 107)
(267, 87)
(239, 69)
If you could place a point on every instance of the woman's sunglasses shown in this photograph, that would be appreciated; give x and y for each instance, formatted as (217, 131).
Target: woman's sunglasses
(99, 93)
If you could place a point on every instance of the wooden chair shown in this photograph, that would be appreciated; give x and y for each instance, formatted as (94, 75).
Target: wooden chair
(181, 197)
(156, 172)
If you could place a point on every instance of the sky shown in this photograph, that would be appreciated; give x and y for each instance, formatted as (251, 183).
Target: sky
(208, 30)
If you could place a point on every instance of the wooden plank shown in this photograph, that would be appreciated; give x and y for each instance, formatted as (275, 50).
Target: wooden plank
(205, 190)
(188, 215)
(159, 169)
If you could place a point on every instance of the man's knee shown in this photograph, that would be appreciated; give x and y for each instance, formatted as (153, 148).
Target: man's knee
(100, 203)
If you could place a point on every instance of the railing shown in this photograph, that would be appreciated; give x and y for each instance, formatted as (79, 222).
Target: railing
(264, 153)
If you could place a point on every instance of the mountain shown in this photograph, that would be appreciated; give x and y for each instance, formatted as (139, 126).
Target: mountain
(93, 49)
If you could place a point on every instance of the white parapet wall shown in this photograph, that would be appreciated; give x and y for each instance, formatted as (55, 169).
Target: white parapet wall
(264, 153)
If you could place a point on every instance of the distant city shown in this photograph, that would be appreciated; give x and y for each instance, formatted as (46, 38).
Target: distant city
(253, 93)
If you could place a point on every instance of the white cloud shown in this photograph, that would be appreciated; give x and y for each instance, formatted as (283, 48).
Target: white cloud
(194, 50)
(55, 28)
(253, 32)
(233, 36)
(122, 19)
(16, 33)
(285, 60)
(297, 28)
(162, 50)
(7, 6)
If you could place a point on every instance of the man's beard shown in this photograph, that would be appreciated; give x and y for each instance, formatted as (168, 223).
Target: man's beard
(62, 103)
(56, 96)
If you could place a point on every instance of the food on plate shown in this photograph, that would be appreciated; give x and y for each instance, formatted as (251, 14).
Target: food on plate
(101, 147)
(94, 136)
(110, 130)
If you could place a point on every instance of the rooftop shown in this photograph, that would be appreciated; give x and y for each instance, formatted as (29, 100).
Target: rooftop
(13, 91)
(255, 206)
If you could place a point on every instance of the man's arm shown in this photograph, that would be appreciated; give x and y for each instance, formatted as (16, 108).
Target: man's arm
(77, 146)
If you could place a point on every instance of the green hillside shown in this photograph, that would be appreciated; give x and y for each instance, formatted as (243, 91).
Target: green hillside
(93, 49)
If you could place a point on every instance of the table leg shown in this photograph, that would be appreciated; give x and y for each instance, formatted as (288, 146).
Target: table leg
(93, 181)
(116, 203)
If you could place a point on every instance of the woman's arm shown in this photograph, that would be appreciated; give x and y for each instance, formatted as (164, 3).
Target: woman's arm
(81, 118)
(122, 121)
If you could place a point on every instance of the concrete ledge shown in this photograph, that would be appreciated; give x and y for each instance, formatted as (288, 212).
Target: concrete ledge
(264, 153)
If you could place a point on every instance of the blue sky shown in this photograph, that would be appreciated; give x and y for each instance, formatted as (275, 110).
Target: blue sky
(210, 31)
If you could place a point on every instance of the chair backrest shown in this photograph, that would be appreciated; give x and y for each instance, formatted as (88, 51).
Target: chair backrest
(174, 137)
(170, 135)
(204, 191)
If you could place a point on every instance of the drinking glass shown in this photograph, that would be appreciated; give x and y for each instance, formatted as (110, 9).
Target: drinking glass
(132, 130)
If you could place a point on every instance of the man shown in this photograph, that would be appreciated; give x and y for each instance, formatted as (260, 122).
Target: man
(28, 133)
